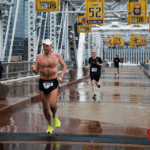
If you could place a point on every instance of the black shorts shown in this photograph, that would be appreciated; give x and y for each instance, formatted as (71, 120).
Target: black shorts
(95, 77)
(0, 75)
(116, 65)
(48, 85)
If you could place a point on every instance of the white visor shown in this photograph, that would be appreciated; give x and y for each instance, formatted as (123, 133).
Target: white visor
(47, 42)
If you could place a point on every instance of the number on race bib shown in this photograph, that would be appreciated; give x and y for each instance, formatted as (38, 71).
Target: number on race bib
(47, 85)
(94, 69)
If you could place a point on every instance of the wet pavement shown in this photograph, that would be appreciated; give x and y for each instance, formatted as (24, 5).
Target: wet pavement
(147, 68)
(21, 90)
(70, 146)
(122, 107)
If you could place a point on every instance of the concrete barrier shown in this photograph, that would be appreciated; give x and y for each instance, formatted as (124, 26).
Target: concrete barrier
(4, 89)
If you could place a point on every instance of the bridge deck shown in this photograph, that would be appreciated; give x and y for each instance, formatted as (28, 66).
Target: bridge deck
(122, 107)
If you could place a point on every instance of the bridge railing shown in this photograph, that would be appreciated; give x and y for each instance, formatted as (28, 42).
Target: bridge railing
(132, 55)
(14, 70)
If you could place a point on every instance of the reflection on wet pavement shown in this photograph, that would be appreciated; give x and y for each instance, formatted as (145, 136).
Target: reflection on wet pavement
(70, 146)
(122, 107)
(25, 88)
(147, 68)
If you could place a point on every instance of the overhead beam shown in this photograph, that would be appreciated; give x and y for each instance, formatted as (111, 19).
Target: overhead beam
(114, 5)
(106, 11)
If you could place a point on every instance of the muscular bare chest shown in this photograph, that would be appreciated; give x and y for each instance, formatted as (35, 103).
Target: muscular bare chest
(49, 62)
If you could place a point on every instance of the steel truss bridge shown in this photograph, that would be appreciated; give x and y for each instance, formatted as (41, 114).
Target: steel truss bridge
(73, 47)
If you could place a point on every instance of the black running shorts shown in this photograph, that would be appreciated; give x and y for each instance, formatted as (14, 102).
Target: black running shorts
(116, 65)
(95, 77)
(48, 86)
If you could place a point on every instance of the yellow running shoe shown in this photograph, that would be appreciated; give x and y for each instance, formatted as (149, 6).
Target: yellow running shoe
(50, 129)
(56, 122)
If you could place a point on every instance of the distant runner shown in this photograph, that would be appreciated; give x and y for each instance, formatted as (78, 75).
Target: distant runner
(95, 64)
(147, 60)
(116, 64)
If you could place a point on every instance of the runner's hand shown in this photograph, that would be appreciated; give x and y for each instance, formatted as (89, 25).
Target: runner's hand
(59, 79)
(98, 63)
(87, 67)
(33, 67)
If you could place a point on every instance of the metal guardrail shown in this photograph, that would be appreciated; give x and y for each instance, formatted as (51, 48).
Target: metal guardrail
(132, 55)
(14, 70)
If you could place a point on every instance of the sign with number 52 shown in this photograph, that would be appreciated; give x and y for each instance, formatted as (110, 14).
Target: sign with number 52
(95, 12)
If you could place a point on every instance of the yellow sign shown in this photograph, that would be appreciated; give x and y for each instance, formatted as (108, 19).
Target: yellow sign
(117, 39)
(47, 5)
(81, 18)
(95, 11)
(84, 28)
(121, 45)
(143, 41)
(110, 41)
(137, 11)
(132, 45)
(135, 39)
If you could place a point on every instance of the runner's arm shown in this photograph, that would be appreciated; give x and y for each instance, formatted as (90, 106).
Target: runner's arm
(88, 64)
(100, 63)
(36, 68)
(64, 67)
(114, 60)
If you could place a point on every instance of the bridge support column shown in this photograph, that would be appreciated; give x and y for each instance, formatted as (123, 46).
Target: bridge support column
(89, 45)
(72, 46)
(31, 31)
(72, 51)
(53, 30)
(81, 50)
(66, 33)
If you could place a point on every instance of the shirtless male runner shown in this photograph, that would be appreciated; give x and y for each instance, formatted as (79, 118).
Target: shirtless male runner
(95, 64)
(47, 64)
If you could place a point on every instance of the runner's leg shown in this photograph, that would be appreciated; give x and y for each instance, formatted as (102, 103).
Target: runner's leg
(53, 106)
(97, 80)
(96, 83)
(115, 70)
(118, 68)
(93, 87)
(45, 103)
(53, 101)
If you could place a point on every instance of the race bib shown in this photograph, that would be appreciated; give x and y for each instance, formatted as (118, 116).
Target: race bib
(94, 69)
(47, 84)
